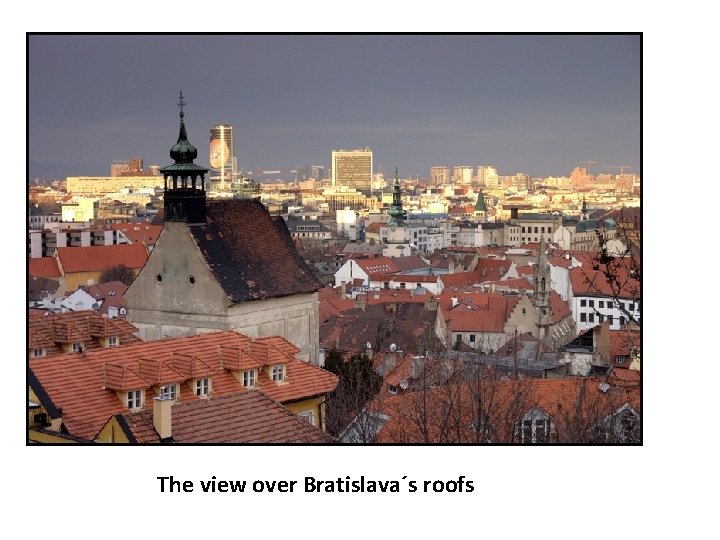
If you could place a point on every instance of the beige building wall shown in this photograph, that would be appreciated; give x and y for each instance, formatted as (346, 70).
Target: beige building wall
(177, 294)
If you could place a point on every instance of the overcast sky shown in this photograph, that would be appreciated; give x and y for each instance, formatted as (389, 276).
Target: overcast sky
(538, 104)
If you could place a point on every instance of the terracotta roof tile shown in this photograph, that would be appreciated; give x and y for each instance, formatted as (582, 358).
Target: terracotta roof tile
(78, 383)
(98, 258)
(44, 267)
(249, 417)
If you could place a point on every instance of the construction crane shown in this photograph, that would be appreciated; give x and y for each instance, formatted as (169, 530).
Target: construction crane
(621, 167)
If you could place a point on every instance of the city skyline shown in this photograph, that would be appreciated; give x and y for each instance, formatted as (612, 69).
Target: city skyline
(540, 104)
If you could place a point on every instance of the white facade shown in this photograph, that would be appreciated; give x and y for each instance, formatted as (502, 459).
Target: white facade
(350, 271)
(589, 311)
(347, 223)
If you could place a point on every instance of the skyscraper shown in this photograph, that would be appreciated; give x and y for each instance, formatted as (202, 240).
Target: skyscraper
(352, 168)
(223, 164)
(439, 175)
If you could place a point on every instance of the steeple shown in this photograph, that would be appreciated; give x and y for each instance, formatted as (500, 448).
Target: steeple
(541, 290)
(184, 195)
(396, 212)
(584, 211)
(480, 206)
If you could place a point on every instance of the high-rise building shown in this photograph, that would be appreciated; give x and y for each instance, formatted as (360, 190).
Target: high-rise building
(130, 167)
(462, 174)
(352, 168)
(223, 164)
(487, 176)
(439, 175)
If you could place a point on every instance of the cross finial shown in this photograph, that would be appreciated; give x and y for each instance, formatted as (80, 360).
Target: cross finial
(181, 104)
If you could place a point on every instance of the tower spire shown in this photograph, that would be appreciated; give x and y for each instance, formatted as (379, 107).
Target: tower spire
(396, 212)
(184, 196)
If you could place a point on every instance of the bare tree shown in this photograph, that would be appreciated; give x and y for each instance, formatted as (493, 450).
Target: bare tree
(119, 272)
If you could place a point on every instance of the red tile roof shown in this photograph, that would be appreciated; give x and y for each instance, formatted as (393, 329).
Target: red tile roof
(588, 282)
(44, 267)
(52, 330)
(79, 383)
(98, 258)
(475, 321)
(248, 417)
(139, 233)
(450, 413)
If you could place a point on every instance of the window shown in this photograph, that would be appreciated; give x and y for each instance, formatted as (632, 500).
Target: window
(402, 285)
(78, 347)
(619, 359)
(202, 387)
(631, 306)
(472, 338)
(113, 341)
(583, 303)
(386, 284)
(249, 378)
(523, 229)
(601, 304)
(591, 303)
(278, 373)
(535, 431)
(610, 319)
(542, 229)
(308, 416)
(591, 317)
(169, 391)
(601, 318)
(38, 352)
(583, 317)
(134, 399)
(392, 389)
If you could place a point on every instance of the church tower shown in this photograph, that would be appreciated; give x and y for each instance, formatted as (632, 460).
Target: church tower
(584, 211)
(480, 210)
(396, 212)
(184, 192)
(541, 291)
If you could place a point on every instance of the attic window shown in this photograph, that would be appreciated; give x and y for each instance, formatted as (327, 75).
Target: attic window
(38, 352)
(249, 378)
(134, 399)
(113, 341)
(619, 359)
(78, 347)
(277, 373)
(169, 391)
(202, 387)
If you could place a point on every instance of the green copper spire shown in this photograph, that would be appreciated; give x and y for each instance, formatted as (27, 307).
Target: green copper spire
(396, 212)
(480, 204)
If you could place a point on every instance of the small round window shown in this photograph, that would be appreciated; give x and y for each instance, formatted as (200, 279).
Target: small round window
(159, 278)
(191, 279)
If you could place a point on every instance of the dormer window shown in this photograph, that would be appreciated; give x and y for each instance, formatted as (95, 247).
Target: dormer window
(78, 346)
(249, 378)
(277, 373)
(113, 341)
(169, 391)
(202, 387)
(36, 353)
(134, 399)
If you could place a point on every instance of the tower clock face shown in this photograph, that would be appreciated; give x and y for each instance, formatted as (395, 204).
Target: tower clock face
(219, 153)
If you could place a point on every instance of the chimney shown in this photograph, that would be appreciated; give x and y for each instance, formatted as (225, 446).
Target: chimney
(389, 363)
(162, 417)
(454, 301)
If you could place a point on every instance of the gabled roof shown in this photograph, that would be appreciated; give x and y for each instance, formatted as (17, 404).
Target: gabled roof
(410, 263)
(50, 331)
(44, 267)
(82, 385)
(475, 321)
(251, 253)
(249, 417)
(139, 233)
(377, 265)
(98, 258)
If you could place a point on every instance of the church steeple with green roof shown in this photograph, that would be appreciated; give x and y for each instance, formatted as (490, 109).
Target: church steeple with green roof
(396, 212)
(480, 206)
